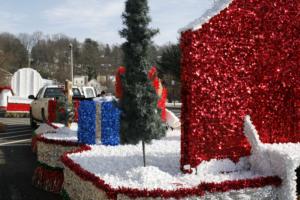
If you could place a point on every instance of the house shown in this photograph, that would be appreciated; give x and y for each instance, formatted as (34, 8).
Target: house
(240, 58)
(80, 80)
(95, 84)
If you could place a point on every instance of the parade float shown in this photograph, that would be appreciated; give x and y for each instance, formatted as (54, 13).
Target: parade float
(97, 122)
(240, 118)
(14, 97)
(51, 140)
(5, 92)
(243, 61)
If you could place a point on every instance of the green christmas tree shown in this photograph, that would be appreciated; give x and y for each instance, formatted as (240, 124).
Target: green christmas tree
(141, 119)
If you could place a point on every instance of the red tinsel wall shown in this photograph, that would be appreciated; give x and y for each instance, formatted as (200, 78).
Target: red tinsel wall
(246, 60)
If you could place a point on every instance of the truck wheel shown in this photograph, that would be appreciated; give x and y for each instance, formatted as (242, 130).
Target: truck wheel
(33, 124)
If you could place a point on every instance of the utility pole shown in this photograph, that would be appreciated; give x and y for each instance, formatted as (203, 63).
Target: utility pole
(173, 88)
(71, 62)
(68, 92)
(29, 59)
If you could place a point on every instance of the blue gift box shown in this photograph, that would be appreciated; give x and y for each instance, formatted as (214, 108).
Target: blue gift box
(110, 123)
(87, 122)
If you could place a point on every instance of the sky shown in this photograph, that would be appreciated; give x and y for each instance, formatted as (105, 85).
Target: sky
(96, 19)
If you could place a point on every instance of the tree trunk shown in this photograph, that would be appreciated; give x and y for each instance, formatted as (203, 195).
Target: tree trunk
(144, 155)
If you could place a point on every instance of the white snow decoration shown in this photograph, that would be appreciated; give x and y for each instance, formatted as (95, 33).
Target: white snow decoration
(187, 167)
(105, 98)
(64, 133)
(217, 7)
(74, 126)
(280, 159)
(259, 158)
(78, 188)
(216, 166)
(4, 95)
(45, 128)
(172, 120)
(122, 166)
(19, 100)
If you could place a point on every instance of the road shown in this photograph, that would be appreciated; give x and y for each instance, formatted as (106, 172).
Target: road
(17, 163)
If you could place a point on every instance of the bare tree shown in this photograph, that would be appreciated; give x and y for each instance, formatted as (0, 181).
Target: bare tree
(13, 53)
(29, 41)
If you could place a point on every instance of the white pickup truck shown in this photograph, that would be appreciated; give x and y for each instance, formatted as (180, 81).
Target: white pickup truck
(39, 105)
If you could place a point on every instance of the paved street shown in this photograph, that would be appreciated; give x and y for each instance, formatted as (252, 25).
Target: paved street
(17, 163)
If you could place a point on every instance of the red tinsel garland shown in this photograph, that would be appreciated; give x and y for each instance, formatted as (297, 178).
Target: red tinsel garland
(162, 104)
(36, 138)
(152, 75)
(52, 125)
(52, 110)
(33, 144)
(52, 107)
(245, 60)
(48, 179)
(119, 92)
(56, 142)
(76, 104)
(177, 194)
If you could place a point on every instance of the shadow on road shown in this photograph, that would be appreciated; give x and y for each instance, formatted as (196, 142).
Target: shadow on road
(2, 113)
(17, 164)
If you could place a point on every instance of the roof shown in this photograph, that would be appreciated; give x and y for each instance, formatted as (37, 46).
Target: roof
(216, 8)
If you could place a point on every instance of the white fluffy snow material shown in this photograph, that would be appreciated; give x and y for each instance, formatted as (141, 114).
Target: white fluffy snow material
(105, 98)
(172, 120)
(280, 159)
(122, 166)
(64, 133)
(45, 128)
(50, 153)
(217, 7)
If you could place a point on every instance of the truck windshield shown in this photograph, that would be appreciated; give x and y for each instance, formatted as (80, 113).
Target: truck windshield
(89, 93)
(53, 92)
(76, 92)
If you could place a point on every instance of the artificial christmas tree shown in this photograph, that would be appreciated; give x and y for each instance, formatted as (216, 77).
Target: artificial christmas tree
(141, 119)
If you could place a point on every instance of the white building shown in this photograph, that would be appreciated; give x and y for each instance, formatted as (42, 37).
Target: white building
(80, 80)
(95, 84)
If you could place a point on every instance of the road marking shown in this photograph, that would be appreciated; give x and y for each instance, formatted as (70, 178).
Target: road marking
(10, 132)
(15, 123)
(15, 142)
(8, 121)
(9, 137)
(17, 145)
(18, 128)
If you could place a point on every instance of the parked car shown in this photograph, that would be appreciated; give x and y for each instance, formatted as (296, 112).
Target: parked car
(39, 105)
(88, 92)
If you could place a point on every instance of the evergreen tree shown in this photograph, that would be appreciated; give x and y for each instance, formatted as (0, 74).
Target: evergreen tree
(90, 55)
(170, 61)
(141, 119)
